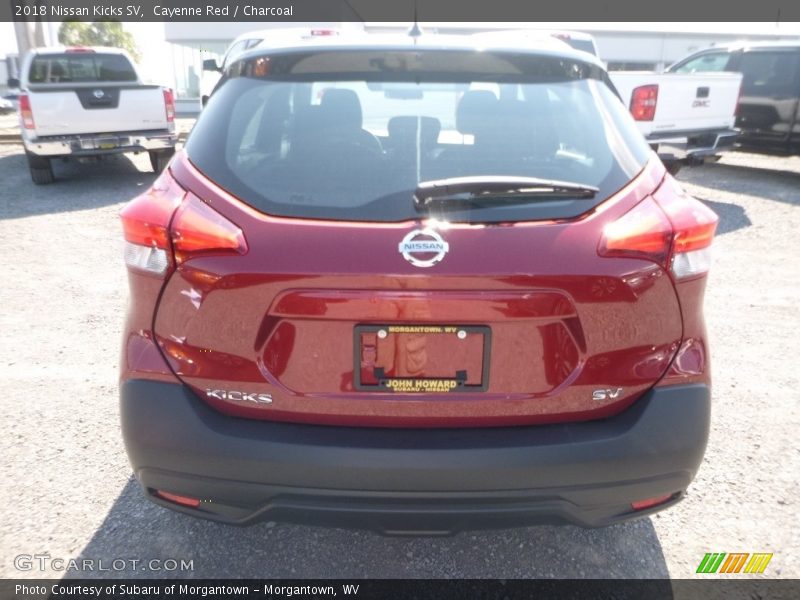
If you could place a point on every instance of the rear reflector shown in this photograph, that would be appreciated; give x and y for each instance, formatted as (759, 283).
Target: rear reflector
(199, 229)
(643, 102)
(177, 499)
(25, 111)
(650, 502)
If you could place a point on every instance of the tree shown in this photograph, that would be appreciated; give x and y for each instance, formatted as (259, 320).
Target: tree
(99, 33)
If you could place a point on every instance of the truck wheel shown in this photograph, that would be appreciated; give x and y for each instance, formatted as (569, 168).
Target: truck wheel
(41, 170)
(159, 159)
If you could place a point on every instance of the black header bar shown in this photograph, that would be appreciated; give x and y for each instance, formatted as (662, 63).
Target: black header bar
(290, 11)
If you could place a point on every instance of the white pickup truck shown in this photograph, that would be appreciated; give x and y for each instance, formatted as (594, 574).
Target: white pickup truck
(88, 102)
(686, 118)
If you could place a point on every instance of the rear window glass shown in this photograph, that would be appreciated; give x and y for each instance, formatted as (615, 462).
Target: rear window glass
(305, 137)
(705, 63)
(80, 68)
(582, 45)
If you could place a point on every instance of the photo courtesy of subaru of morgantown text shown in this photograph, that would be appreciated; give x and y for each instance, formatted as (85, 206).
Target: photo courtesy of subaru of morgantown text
(401, 284)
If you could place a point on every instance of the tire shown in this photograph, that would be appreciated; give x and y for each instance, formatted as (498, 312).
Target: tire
(160, 158)
(41, 170)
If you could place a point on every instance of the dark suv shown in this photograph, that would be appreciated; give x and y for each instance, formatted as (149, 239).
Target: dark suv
(416, 286)
(769, 105)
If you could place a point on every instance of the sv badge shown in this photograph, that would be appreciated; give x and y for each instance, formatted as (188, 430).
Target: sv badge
(606, 394)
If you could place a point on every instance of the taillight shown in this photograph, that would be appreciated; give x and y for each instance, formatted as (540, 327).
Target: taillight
(167, 225)
(25, 111)
(643, 102)
(145, 223)
(169, 105)
(643, 232)
(693, 225)
(79, 50)
(670, 228)
(199, 229)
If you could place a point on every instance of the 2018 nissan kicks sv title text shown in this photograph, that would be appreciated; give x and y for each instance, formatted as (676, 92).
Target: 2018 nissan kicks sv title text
(417, 287)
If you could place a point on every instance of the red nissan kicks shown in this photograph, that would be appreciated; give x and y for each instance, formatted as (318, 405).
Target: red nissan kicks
(417, 286)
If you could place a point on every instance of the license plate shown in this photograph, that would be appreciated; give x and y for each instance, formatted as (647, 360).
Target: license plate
(421, 358)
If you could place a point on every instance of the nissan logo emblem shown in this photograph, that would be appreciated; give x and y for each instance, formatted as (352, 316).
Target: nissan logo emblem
(423, 248)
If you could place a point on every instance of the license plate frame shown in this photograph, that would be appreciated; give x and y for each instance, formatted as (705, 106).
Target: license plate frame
(429, 385)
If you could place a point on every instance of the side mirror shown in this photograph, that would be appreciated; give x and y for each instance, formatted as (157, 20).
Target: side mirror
(12, 82)
(210, 64)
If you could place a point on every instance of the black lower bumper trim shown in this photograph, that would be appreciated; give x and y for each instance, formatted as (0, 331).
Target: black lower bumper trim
(433, 481)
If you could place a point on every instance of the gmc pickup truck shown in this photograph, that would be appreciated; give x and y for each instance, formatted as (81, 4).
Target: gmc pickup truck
(89, 102)
(686, 118)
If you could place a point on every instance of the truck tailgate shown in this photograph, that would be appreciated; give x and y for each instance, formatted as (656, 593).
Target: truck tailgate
(686, 102)
(98, 109)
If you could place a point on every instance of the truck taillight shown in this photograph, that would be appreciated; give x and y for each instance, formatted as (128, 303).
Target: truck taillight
(26, 112)
(199, 229)
(672, 229)
(643, 102)
(169, 105)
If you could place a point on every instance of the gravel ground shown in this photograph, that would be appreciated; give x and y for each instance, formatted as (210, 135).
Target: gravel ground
(68, 491)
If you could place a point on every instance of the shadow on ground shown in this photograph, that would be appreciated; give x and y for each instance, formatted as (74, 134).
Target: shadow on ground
(732, 217)
(783, 186)
(135, 528)
(78, 185)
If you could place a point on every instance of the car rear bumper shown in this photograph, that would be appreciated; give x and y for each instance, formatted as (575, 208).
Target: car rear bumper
(101, 143)
(692, 145)
(413, 481)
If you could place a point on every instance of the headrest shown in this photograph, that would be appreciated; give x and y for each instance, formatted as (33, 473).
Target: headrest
(403, 130)
(342, 108)
(475, 111)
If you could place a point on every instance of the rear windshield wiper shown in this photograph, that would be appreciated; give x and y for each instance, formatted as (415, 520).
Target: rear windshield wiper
(481, 191)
